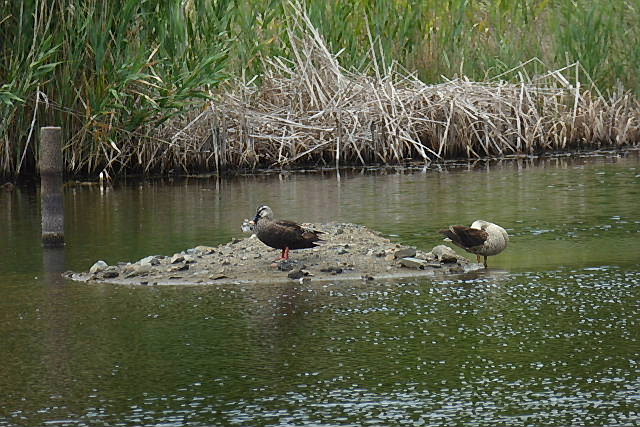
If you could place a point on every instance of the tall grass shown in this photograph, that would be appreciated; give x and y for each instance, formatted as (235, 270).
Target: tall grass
(111, 73)
(483, 39)
(104, 71)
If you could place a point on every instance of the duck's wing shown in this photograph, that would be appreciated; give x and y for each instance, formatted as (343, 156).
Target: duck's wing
(297, 227)
(465, 237)
(288, 225)
(295, 236)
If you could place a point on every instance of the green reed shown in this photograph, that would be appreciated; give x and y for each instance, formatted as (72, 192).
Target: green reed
(110, 72)
(104, 71)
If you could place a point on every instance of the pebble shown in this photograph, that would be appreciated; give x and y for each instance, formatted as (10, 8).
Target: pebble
(206, 250)
(456, 269)
(333, 269)
(288, 265)
(137, 269)
(411, 262)
(376, 252)
(177, 258)
(98, 267)
(445, 254)
(110, 273)
(151, 260)
(296, 274)
(178, 268)
(405, 253)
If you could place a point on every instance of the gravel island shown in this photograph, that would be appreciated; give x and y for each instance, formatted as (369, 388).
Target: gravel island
(349, 252)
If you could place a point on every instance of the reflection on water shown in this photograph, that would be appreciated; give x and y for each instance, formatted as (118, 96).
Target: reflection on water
(560, 211)
(547, 336)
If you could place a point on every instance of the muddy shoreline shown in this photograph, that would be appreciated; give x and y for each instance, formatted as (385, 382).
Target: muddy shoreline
(350, 252)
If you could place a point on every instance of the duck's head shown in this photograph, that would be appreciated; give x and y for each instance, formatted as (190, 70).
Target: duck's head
(263, 212)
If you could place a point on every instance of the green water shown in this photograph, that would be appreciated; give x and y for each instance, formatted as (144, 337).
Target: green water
(547, 336)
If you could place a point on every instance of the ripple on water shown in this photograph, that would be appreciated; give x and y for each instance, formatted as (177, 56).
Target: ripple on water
(548, 348)
(556, 348)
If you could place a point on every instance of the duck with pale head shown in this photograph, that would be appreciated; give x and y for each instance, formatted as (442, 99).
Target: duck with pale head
(283, 234)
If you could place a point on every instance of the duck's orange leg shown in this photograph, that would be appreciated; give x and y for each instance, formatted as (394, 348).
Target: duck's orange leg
(284, 254)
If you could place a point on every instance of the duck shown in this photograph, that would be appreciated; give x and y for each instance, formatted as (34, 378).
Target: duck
(481, 238)
(283, 234)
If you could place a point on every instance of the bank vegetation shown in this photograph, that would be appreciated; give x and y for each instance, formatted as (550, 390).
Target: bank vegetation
(152, 87)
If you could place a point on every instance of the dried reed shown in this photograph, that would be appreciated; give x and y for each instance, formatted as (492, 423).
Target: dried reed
(312, 111)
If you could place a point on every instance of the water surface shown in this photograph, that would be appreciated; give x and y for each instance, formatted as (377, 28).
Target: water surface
(547, 336)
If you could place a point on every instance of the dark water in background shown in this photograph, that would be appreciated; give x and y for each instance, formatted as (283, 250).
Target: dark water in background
(547, 336)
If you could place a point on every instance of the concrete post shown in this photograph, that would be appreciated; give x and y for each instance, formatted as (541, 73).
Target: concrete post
(51, 191)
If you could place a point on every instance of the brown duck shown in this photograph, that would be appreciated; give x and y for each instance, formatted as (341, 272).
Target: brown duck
(282, 234)
(482, 238)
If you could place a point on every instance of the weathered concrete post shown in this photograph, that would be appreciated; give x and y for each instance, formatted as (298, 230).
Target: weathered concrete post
(51, 191)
